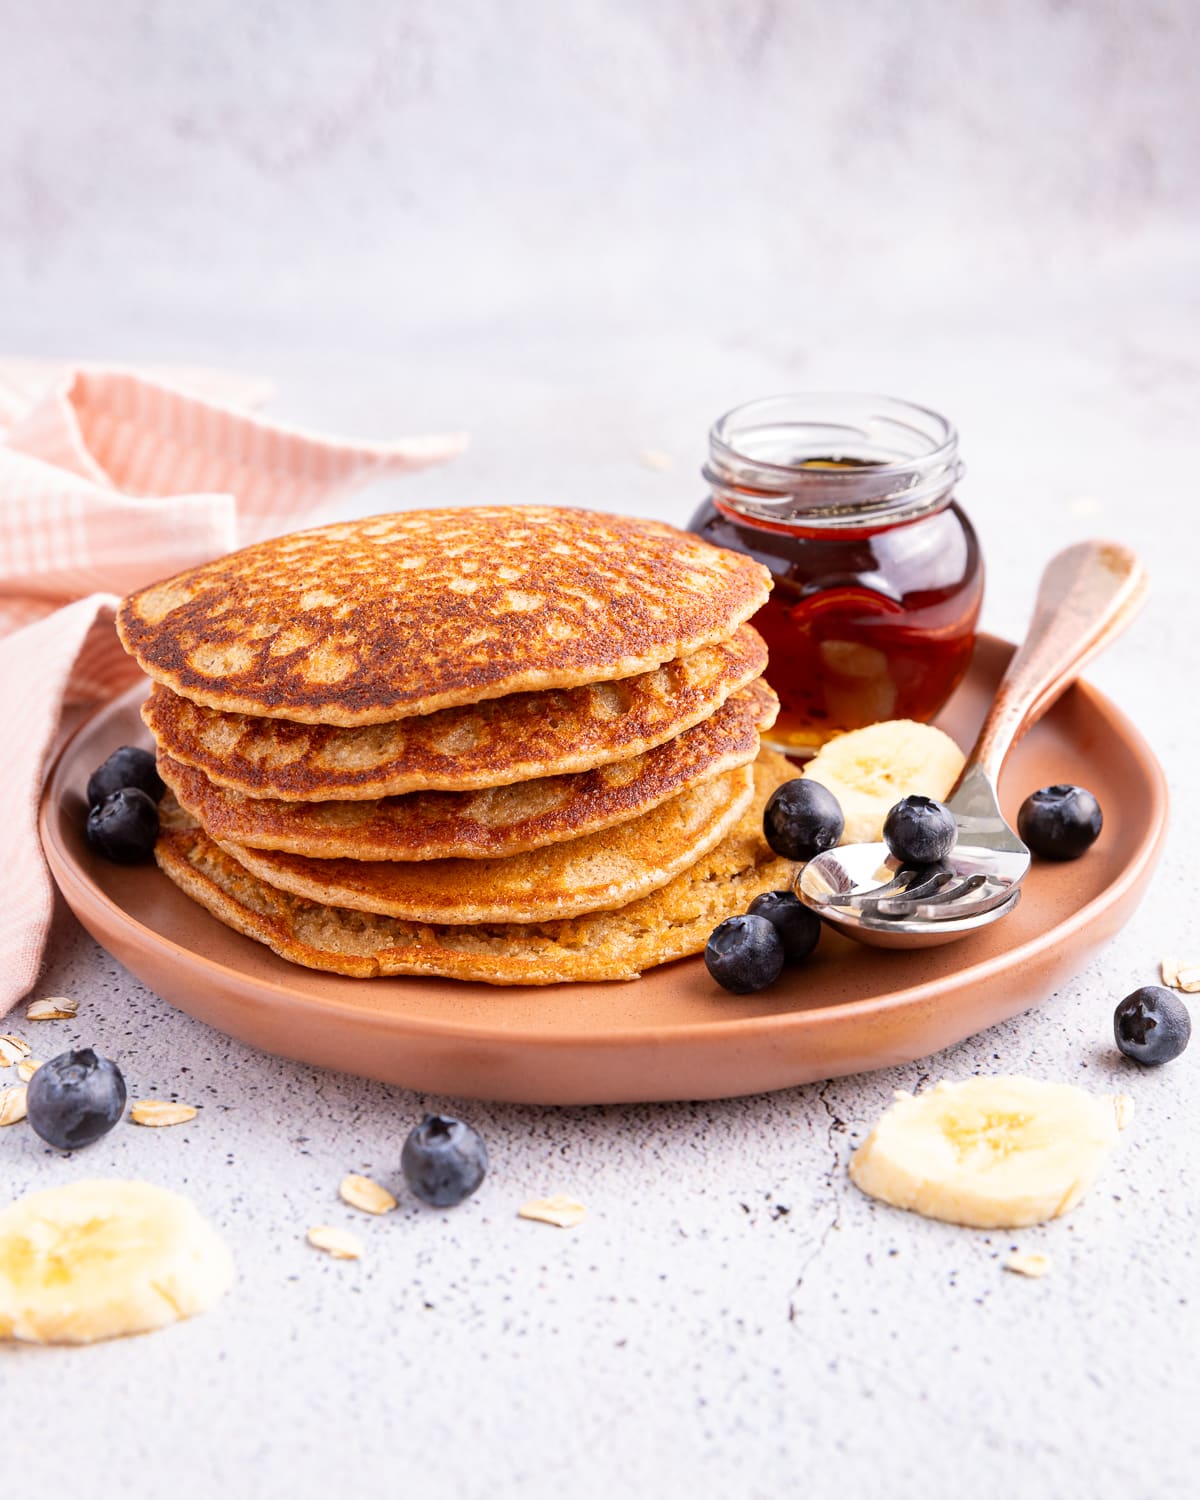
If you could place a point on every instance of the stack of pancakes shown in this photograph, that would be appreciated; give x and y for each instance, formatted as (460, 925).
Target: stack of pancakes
(518, 745)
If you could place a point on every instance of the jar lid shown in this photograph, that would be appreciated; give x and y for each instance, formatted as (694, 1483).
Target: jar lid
(833, 459)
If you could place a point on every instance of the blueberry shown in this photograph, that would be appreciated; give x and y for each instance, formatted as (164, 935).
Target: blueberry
(127, 766)
(1060, 822)
(802, 819)
(444, 1160)
(919, 831)
(798, 925)
(745, 954)
(75, 1098)
(1152, 1025)
(124, 826)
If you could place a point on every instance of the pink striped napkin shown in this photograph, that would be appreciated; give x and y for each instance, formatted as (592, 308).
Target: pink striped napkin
(111, 480)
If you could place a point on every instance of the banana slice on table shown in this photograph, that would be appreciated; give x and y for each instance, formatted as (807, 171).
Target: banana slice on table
(869, 770)
(993, 1153)
(97, 1259)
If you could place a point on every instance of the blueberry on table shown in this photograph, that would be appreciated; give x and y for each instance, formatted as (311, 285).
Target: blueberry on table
(798, 925)
(745, 954)
(126, 767)
(444, 1160)
(1060, 822)
(75, 1098)
(919, 831)
(1152, 1025)
(802, 819)
(124, 826)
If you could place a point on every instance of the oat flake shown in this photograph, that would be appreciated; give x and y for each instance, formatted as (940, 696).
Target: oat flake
(655, 458)
(339, 1243)
(563, 1213)
(361, 1192)
(26, 1068)
(1182, 974)
(58, 1008)
(161, 1112)
(12, 1049)
(12, 1105)
(1027, 1264)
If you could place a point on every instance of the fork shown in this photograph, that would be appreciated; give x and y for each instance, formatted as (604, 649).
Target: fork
(1088, 594)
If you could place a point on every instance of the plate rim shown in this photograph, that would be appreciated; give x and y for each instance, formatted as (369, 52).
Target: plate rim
(66, 871)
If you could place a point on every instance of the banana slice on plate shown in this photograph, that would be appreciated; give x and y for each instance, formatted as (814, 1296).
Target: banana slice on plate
(97, 1259)
(993, 1153)
(869, 770)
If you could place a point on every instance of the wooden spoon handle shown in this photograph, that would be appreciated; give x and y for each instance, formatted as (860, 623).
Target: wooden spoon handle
(1087, 596)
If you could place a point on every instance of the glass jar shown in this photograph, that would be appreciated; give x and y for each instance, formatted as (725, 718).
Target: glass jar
(849, 501)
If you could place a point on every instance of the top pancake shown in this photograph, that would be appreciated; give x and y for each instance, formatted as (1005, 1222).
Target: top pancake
(369, 621)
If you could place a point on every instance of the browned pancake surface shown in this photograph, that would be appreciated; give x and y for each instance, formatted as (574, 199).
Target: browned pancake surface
(503, 740)
(373, 620)
(591, 873)
(671, 922)
(492, 822)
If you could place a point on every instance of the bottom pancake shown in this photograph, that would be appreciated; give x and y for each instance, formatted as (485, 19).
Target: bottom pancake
(670, 923)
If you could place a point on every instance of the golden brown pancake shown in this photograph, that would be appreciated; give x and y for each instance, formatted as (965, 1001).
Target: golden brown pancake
(592, 873)
(373, 620)
(503, 740)
(493, 822)
(671, 922)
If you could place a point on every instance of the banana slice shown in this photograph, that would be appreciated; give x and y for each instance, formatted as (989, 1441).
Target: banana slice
(869, 770)
(994, 1153)
(97, 1259)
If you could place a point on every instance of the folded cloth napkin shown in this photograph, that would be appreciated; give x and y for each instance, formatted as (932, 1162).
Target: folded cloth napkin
(109, 481)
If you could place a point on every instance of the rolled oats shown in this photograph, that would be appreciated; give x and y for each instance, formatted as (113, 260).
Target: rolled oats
(57, 1008)
(563, 1213)
(361, 1192)
(339, 1243)
(12, 1105)
(161, 1112)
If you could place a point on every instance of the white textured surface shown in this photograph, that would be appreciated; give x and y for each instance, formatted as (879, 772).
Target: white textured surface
(581, 232)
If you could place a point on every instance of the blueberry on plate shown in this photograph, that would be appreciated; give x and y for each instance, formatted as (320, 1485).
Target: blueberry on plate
(745, 954)
(444, 1160)
(919, 831)
(797, 925)
(125, 767)
(1152, 1025)
(75, 1098)
(802, 819)
(124, 826)
(1060, 822)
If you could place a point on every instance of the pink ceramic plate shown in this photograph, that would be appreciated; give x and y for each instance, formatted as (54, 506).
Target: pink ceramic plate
(673, 1034)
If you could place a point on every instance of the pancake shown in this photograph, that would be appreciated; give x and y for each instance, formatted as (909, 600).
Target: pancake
(670, 923)
(373, 620)
(592, 873)
(489, 823)
(519, 738)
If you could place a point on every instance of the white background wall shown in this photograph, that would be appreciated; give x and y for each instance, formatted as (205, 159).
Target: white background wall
(766, 164)
(584, 229)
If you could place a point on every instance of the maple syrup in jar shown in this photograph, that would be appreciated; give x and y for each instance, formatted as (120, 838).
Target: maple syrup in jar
(849, 501)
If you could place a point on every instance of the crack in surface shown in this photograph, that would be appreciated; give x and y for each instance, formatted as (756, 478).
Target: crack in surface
(835, 1126)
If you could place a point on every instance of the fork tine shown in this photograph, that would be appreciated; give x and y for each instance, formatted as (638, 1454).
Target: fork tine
(909, 882)
(959, 905)
(940, 894)
(956, 893)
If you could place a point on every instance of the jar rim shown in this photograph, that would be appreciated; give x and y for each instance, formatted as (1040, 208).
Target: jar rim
(902, 458)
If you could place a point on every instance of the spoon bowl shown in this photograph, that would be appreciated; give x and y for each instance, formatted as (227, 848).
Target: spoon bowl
(1088, 593)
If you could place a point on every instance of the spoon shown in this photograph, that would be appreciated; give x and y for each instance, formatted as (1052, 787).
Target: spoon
(1087, 595)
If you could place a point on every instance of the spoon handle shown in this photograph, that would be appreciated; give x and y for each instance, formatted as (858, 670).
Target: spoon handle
(1088, 594)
